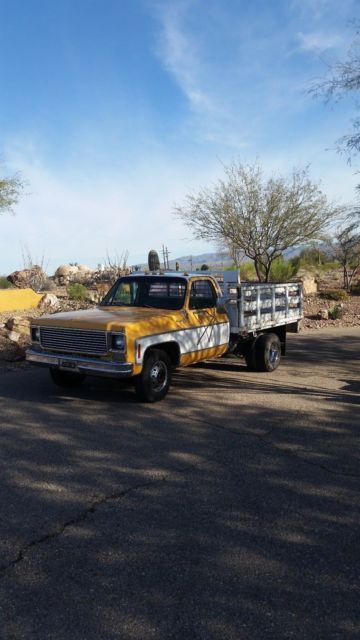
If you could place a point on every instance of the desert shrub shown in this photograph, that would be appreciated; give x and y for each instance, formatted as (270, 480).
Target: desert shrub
(330, 266)
(4, 283)
(247, 271)
(334, 294)
(355, 288)
(336, 313)
(77, 291)
(283, 270)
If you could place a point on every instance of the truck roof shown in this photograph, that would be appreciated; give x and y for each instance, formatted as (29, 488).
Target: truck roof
(170, 274)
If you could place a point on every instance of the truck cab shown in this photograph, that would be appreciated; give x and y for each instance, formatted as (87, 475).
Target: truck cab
(147, 324)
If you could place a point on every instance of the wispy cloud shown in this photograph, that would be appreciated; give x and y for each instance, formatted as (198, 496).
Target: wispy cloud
(180, 53)
(246, 76)
(318, 41)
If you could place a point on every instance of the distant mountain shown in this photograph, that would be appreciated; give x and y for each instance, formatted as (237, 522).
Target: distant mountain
(294, 251)
(214, 260)
(211, 259)
(218, 260)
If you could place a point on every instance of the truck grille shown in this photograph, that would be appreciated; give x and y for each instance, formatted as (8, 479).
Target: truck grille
(74, 340)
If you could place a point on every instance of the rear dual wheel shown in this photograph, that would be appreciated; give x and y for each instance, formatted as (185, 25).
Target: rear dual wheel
(265, 353)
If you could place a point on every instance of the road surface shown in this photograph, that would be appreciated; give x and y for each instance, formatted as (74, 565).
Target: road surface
(228, 511)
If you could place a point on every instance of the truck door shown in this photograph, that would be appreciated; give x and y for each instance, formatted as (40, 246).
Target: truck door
(209, 334)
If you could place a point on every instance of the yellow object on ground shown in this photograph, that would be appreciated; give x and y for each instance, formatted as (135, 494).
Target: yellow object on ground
(19, 299)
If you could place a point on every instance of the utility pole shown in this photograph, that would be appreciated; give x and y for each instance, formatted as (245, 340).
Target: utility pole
(165, 253)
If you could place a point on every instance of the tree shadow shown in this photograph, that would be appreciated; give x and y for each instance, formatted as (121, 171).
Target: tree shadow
(229, 510)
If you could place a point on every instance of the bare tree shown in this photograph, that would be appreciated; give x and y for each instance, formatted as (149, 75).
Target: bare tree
(116, 266)
(347, 252)
(10, 190)
(257, 216)
(343, 78)
(236, 254)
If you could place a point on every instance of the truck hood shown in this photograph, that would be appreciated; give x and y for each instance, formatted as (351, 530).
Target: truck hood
(103, 318)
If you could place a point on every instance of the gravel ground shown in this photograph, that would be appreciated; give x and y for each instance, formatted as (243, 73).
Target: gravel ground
(314, 305)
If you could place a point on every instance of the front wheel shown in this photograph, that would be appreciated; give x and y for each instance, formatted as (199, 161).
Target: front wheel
(267, 352)
(154, 381)
(66, 379)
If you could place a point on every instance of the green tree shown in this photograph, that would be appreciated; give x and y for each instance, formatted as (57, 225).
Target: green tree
(10, 191)
(258, 216)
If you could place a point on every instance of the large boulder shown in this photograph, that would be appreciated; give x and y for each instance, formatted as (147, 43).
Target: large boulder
(72, 273)
(65, 273)
(33, 278)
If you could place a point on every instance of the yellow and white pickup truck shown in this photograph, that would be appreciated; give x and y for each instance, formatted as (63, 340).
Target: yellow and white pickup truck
(150, 323)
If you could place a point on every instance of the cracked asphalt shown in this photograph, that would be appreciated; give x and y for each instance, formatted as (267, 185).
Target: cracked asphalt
(228, 511)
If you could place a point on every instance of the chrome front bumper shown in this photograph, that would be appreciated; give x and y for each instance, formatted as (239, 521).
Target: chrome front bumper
(77, 364)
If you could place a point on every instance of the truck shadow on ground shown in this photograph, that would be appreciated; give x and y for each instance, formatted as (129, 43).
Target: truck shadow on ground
(201, 377)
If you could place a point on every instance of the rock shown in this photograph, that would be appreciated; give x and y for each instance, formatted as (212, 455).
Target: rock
(72, 273)
(18, 330)
(84, 269)
(310, 286)
(324, 314)
(13, 336)
(65, 273)
(93, 296)
(49, 302)
(19, 325)
(32, 278)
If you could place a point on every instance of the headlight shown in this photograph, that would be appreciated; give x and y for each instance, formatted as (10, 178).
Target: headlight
(118, 342)
(35, 334)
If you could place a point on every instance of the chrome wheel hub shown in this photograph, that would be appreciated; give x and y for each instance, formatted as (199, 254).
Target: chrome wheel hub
(158, 376)
(274, 354)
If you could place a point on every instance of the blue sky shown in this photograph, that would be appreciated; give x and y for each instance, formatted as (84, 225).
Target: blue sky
(114, 109)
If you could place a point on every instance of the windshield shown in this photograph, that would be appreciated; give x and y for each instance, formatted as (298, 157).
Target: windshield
(147, 291)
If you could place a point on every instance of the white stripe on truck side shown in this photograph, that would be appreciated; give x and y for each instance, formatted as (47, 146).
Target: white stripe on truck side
(189, 340)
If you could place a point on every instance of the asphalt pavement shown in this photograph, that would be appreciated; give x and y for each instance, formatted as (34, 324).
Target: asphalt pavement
(228, 511)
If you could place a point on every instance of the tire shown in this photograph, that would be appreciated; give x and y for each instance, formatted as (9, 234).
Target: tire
(66, 379)
(267, 352)
(154, 381)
